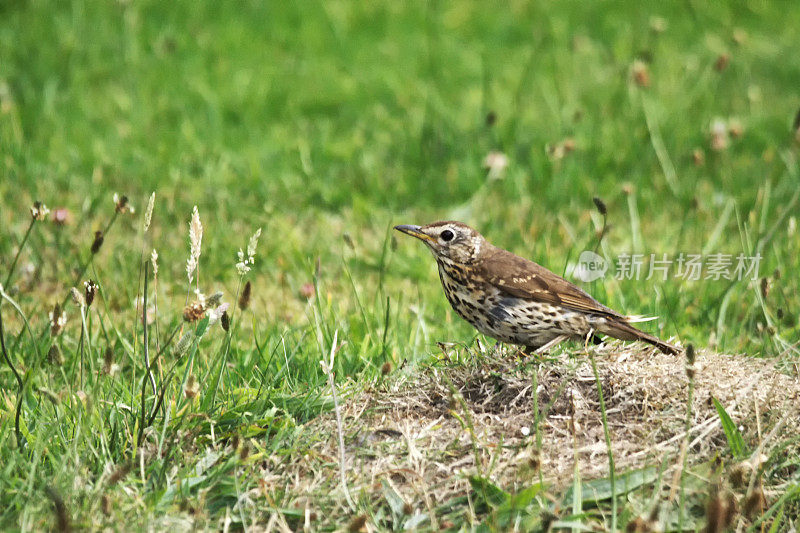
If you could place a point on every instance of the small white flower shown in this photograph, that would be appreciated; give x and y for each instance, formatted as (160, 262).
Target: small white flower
(496, 163)
(39, 211)
(525, 430)
(245, 261)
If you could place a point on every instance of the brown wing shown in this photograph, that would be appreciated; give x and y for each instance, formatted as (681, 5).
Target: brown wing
(519, 277)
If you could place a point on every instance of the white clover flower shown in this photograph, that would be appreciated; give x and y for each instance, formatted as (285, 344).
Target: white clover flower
(39, 211)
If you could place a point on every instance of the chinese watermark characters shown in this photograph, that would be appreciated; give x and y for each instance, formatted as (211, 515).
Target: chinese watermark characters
(684, 266)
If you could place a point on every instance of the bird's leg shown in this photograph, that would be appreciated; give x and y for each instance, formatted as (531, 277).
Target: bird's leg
(589, 337)
(546, 347)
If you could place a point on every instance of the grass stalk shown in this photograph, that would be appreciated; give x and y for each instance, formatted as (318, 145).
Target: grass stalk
(328, 369)
(19, 252)
(690, 373)
(611, 471)
(20, 383)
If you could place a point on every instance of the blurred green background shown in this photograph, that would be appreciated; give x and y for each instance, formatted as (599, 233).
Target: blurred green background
(321, 118)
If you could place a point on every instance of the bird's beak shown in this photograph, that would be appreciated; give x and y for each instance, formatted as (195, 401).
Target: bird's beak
(414, 231)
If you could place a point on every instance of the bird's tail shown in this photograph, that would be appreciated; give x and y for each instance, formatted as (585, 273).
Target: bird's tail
(622, 330)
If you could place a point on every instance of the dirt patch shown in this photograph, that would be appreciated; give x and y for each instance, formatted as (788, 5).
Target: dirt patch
(454, 419)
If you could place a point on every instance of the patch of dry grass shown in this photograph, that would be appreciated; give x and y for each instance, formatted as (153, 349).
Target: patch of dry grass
(414, 438)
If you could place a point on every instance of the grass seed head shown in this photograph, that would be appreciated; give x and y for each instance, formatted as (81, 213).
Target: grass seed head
(722, 62)
(97, 243)
(194, 312)
(754, 503)
(195, 244)
(225, 321)
(718, 515)
(244, 298)
(39, 211)
(77, 297)
(154, 262)
(192, 387)
(600, 205)
(148, 214)
(58, 319)
(54, 355)
(89, 292)
(108, 360)
(183, 344)
(122, 205)
(357, 523)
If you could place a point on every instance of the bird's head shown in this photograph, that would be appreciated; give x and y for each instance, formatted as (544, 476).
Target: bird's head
(449, 240)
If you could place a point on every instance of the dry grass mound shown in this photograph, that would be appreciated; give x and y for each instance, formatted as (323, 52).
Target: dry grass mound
(477, 415)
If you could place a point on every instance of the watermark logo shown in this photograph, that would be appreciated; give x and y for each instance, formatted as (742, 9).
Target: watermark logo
(590, 267)
(686, 266)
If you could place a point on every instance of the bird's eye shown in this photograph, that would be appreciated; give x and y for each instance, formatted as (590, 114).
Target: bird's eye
(447, 235)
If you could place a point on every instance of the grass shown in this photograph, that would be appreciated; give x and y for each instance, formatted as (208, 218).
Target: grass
(325, 126)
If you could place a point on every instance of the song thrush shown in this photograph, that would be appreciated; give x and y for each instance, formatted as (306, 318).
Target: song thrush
(515, 300)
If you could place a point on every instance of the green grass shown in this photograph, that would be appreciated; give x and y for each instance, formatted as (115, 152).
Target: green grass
(325, 125)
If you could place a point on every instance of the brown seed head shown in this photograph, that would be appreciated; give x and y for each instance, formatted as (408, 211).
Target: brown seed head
(58, 319)
(386, 368)
(601, 205)
(225, 321)
(194, 312)
(244, 298)
(357, 523)
(121, 204)
(722, 62)
(191, 388)
(54, 355)
(754, 503)
(97, 242)
(715, 513)
(90, 290)
(108, 360)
